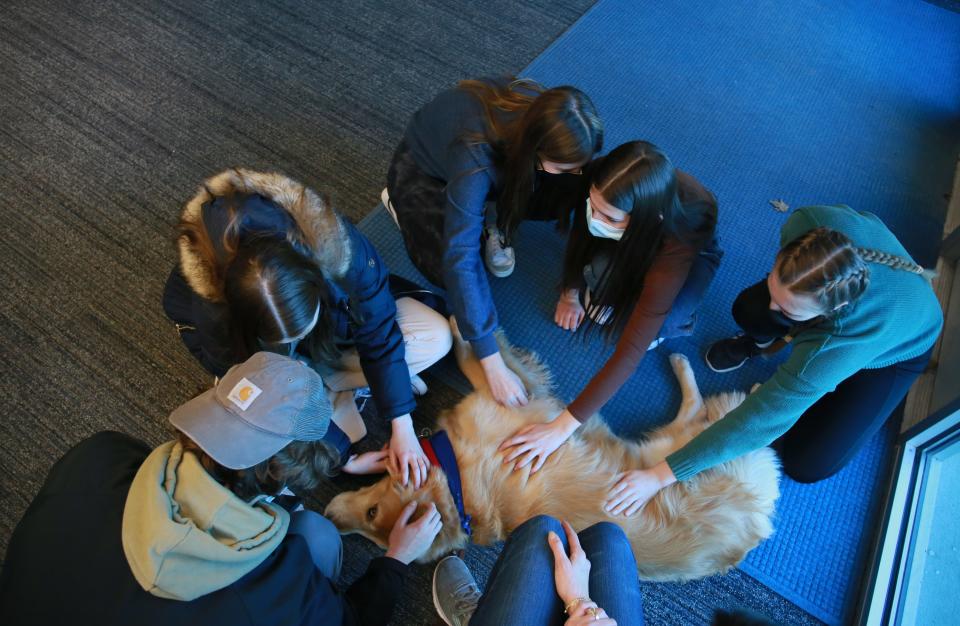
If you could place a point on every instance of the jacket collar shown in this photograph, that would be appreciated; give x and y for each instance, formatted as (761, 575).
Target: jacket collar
(318, 226)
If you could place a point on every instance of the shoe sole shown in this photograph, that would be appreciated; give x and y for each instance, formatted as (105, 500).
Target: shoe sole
(436, 605)
(385, 201)
(501, 273)
(722, 371)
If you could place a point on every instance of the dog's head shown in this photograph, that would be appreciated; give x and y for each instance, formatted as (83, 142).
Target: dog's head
(373, 511)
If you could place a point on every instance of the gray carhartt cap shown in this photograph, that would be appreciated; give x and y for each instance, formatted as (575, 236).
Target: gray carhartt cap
(257, 408)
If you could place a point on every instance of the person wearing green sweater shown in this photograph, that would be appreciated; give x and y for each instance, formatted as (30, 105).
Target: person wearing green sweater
(861, 317)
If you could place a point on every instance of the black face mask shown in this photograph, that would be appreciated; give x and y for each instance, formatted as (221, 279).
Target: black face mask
(554, 194)
(791, 325)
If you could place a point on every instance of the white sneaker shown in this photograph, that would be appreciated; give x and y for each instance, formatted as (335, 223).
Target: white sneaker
(499, 258)
(385, 199)
(417, 385)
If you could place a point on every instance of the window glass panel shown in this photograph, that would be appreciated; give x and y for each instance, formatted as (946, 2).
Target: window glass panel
(932, 592)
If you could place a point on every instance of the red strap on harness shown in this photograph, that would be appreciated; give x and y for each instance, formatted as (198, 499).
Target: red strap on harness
(428, 450)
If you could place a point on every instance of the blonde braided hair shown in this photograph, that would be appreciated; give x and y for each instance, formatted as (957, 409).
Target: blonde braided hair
(825, 265)
(896, 262)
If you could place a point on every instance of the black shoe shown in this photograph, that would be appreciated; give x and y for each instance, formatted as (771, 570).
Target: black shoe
(727, 355)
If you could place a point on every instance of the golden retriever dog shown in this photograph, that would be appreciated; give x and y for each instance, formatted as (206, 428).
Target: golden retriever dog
(695, 528)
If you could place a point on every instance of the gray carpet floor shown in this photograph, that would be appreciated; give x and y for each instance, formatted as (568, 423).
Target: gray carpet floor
(111, 113)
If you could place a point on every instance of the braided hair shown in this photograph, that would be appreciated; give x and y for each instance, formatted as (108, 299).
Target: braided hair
(825, 264)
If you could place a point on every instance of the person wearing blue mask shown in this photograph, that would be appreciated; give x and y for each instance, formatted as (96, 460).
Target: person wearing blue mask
(267, 264)
(638, 262)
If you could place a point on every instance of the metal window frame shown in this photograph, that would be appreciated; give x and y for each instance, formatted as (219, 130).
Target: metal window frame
(883, 593)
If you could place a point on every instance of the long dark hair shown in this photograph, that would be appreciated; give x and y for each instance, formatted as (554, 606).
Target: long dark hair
(639, 179)
(272, 294)
(301, 465)
(559, 124)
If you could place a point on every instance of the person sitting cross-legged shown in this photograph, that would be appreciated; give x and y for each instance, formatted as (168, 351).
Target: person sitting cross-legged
(187, 533)
(595, 583)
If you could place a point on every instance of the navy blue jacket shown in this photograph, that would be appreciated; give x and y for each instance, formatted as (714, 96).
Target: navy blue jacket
(65, 562)
(357, 280)
(436, 136)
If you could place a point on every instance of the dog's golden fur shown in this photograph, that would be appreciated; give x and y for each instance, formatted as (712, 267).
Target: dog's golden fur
(702, 526)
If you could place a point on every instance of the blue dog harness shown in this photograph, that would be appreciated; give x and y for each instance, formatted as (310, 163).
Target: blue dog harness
(439, 450)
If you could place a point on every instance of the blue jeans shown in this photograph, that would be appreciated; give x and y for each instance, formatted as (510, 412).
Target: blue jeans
(521, 587)
(682, 317)
(323, 540)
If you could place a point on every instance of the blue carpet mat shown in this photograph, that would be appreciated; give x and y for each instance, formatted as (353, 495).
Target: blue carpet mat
(809, 102)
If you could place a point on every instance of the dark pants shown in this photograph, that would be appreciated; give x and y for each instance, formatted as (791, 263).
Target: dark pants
(420, 202)
(521, 588)
(682, 318)
(833, 430)
(323, 541)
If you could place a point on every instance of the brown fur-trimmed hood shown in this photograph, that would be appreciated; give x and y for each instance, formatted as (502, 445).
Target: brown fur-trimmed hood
(320, 227)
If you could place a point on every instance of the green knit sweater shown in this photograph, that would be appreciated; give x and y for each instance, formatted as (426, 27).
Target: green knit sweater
(896, 319)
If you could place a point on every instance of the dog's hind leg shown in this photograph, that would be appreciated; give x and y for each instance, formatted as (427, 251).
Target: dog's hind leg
(691, 406)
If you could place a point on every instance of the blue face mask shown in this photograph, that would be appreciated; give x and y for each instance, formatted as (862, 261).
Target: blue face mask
(599, 228)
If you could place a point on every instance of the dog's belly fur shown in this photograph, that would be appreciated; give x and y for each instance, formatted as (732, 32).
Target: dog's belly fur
(700, 527)
(696, 528)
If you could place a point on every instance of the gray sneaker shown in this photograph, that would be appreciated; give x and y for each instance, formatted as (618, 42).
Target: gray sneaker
(455, 592)
(499, 258)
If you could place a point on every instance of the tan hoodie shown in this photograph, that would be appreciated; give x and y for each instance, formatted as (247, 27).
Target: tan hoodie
(186, 535)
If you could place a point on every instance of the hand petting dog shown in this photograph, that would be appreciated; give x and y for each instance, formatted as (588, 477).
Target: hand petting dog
(538, 441)
(634, 488)
(406, 460)
(408, 542)
(367, 463)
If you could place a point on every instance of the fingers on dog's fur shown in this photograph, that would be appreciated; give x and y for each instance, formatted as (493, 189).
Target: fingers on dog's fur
(700, 527)
(527, 365)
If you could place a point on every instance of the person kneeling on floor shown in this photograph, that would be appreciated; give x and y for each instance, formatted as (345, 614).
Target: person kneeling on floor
(185, 534)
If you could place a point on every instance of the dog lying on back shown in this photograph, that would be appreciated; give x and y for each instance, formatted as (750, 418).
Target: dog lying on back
(702, 526)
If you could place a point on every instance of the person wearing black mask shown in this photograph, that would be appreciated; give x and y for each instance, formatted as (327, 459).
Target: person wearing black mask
(502, 141)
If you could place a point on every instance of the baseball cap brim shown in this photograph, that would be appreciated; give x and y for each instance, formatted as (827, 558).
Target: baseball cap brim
(231, 442)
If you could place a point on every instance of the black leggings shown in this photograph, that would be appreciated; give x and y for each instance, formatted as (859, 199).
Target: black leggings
(420, 202)
(834, 429)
